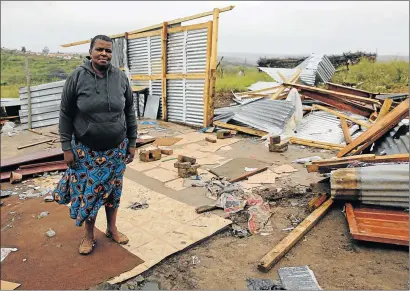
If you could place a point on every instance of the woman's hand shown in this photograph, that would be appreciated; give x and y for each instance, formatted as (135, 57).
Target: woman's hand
(69, 158)
(130, 155)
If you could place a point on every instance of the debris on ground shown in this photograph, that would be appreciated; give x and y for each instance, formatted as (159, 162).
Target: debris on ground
(50, 233)
(138, 205)
(298, 278)
(43, 214)
(264, 284)
(6, 251)
(239, 232)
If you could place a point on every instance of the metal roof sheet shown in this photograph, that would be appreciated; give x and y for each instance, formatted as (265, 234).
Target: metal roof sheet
(396, 141)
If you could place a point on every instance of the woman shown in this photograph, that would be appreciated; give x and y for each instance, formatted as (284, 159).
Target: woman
(98, 130)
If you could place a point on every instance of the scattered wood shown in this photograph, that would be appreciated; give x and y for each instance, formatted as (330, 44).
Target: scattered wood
(317, 201)
(53, 132)
(244, 176)
(271, 258)
(205, 208)
(367, 138)
(35, 131)
(316, 144)
(326, 166)
(340, 115)
(345, 129)
(282, 88)
(141, 141)
(241, 128)
(385, 109)
(34, 144)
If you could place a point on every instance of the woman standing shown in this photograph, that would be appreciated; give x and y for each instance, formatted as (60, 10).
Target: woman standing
(98, 130)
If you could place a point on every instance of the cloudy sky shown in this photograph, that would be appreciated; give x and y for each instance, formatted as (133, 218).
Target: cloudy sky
(251, 27)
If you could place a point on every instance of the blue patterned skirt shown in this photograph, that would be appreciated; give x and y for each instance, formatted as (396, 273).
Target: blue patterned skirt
(95, 181)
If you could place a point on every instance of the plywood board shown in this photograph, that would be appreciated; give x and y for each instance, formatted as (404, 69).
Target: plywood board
(284, 169)
(267, 177)
(236, 167)
(162, 175)
(5, 285)
(164, 228)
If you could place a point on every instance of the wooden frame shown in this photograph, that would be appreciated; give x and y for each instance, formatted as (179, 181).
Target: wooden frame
(164, 70)
(207, 120)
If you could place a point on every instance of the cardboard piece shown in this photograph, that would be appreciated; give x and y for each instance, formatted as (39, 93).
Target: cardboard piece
(166, 141)
(6, 285)
(284, 169)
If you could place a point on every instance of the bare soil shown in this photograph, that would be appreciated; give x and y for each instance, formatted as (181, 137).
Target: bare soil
(223, 100)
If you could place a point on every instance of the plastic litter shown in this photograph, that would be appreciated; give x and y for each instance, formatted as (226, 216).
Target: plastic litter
(6, 251)
(259, 219)
(43, 214)
(138, 205)
(50, 233)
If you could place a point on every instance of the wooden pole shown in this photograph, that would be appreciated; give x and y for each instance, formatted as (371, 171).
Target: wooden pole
(214, 57)
(28, 93)
(208, 75)
(345, 129)
(385, 109)
(164, 71)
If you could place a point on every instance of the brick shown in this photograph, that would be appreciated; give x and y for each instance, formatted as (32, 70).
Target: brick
(184, 159)
(182, 165)
(210, 139)
(150, 155)
(279, 148)
(274, 139)
(167, 151)
(186, 173)
(223, 133)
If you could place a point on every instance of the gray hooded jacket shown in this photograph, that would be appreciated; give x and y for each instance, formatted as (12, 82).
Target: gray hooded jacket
(98, 111)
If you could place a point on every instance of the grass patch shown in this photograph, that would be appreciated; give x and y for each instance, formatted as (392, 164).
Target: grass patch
(231, 80)
(42, 70)
(383, 77)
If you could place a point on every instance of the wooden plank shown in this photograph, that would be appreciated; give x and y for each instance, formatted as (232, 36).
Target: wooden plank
(282, 88)
(186, 76)
(334, 93)
(378, 129)
(247, 175)
(345, 129)
(145, 34)
(34, 144)
(340, 115)
(258, 91)
(156, 26)
(205, 208)
(164, 70)
(350, 90)
(317, 201)
(146, 77)
(392, 158)
(296, 140)
(271, 258)
(207, 119)
(213, 64)
(385, 109)
(188, 27)
(366, 157)
(240, 128)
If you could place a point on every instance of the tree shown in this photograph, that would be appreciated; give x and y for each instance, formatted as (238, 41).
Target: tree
(23, 49)
(46, 50)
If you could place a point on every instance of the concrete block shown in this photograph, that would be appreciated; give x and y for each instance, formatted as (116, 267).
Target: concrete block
(150, 155)
(167, 151)
(274, 139)
(223, 133)
(184, 159)
(210, 139)
(279, 148)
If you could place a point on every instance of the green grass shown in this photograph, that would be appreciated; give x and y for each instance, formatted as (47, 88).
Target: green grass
(231, 80)
(42, 70)
(384, 77)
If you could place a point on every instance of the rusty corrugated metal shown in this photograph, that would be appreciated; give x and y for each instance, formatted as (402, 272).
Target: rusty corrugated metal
(385, 185)
(378, 225)
(36, 169)
(55, 154)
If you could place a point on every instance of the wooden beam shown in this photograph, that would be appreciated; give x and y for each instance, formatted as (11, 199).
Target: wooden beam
(350, 90)
(146, 77)
(240, 128)
(207, 120)
(334, 93)
(280, 250)
(316, 144)
(156, 26)
(188, 27)
(145, 34)
(258, 91)
(341, 115)
(345, 129)
(186, 76)
(282, 88)
(378, 129)
(385, 109)
(249, 174)
(164, 70)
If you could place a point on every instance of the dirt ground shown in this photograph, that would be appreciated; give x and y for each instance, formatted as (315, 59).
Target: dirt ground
(225, 261)
(223, 100)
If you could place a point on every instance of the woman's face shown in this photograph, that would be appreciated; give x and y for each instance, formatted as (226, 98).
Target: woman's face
(101, 53)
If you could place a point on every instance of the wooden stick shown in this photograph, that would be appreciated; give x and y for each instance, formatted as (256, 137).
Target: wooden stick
(385, 109)
(271, 258)
(156, 26)
(207, 104)
(244, 176)
(345, 129)
(205, 208)
(34, 131)
(340, 115)
(378, 129)
(34, 144)
(241, 128)
(282, 88)
(164, 70)
(313, 143)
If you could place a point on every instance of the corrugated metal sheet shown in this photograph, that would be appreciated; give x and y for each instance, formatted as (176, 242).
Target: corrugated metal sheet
(263, 85)
(265, 114)
(196, 44)
(386, 185)
(396, 141)
(155, 51)
(155, 88)
(6, 102)
(378, 225)
(142, 83)
(394, 96)
(323, 126)
(314, 67)
(176, 52)
(119, 55)
(138, 55)
(45, 104)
